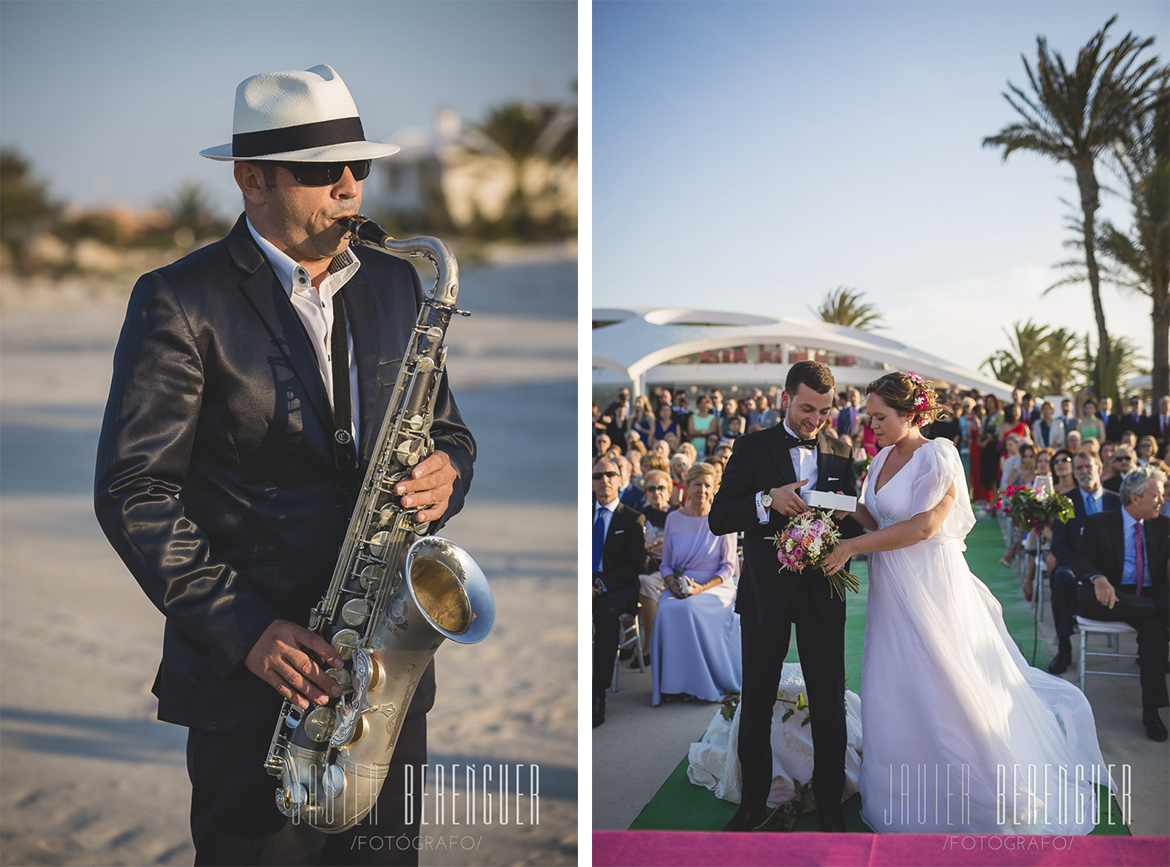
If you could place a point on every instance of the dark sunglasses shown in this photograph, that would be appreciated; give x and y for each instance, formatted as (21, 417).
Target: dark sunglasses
(1062, 461)
(650, 488)
(327, 174)
(597, 477)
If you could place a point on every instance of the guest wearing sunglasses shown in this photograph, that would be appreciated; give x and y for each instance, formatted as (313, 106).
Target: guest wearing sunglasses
(249, 385)
(619, 555)
(657, 487)
(1123, 461)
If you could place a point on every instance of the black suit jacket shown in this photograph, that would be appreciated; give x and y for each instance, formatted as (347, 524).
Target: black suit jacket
(1066, 538)
(1102, 550)
(216, 479)
(759, 462)
(623, 556)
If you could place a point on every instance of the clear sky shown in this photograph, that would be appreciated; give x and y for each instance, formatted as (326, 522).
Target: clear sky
(753, 156)
(112, 101)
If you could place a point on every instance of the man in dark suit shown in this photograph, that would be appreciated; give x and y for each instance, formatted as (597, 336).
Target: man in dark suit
(1160, 424)
(1135, 420)
(760, 491)
(1088, 498)
(619, 552)
(1121, 566)
(249, 384)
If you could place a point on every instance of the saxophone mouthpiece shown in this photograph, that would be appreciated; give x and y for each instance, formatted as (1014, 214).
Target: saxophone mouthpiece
(365, 231)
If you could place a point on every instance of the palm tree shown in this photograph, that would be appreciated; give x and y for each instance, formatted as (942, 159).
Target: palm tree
(1023, 362)
(843, 306)
(1141, 259)
(1059, 360)
(1075, 115)
(522, 132)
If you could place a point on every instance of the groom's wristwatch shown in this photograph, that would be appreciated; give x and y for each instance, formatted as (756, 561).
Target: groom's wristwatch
(766, 500)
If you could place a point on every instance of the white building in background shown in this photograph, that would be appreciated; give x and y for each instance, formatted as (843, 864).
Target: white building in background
(647, 348)
(465, 170)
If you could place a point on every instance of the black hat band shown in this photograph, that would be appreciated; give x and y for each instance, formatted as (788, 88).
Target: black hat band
(344, 130)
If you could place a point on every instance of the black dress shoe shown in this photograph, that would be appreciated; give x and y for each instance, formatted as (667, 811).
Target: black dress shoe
(645, 661)
(747, 819)
(598, 709)
(1060, 662)
(1155, 731)
(831, 820)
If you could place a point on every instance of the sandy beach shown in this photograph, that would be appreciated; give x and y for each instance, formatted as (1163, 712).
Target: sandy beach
(89, 776)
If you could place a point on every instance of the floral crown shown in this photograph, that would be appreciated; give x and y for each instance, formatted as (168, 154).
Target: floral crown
(921, 401)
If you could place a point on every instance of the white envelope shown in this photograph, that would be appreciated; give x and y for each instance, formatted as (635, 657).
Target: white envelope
(823, 500)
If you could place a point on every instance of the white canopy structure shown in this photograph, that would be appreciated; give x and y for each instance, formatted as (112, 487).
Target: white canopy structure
(648, 347)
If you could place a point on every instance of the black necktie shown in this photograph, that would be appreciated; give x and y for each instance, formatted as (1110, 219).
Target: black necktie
(794, 442)
(342, 410)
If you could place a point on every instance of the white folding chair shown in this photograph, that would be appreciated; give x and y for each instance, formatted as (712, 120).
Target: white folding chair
(628, 636)
(1111, 629)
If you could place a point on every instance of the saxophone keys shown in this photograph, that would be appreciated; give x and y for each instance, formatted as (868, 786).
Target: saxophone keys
(333, 781)
(345, 642)
(434, 334)
(320, 723)
(379, 540)
(355, 612)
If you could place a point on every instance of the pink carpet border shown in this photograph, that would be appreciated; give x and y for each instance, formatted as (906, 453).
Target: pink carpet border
(700, 849)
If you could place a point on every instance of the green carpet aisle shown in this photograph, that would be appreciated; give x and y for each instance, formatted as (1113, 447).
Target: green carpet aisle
(679, 805)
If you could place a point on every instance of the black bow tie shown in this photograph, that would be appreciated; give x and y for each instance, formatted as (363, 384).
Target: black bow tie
(794, 442)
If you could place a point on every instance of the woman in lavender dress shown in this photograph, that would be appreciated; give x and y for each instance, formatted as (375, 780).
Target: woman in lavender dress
(695, 647)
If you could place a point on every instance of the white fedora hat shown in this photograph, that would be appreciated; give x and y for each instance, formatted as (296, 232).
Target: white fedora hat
(297, 116)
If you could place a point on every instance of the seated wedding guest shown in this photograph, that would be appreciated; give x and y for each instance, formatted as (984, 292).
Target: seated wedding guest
(1090, 424)
(1128, 439)
(1063, 477)
(680, 462)
(619, 554)
(1147, 450)
(656, 486)
(868, 437)
(601, 444)
(701, 422)
(1088, 498)
(629, 494)
(1044, 461)
(764, 417)
(642, 418)
(1107, 459)
(696, 647)
(634, 442)
(618, 423)
(713, 440)
(1121, 567)
(1045, 431)
(1123, 462)
(1072, 441)
(734, 428)
(665, 424)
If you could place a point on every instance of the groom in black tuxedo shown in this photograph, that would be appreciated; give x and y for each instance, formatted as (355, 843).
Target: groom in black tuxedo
(759, 493)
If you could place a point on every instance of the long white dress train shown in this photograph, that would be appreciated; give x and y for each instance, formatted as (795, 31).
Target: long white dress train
(960, 734)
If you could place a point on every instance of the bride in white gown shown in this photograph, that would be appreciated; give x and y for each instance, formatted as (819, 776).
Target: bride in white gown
(959, 733)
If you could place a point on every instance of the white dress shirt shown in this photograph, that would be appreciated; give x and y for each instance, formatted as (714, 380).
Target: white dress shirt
(804, 462)
(314, 307)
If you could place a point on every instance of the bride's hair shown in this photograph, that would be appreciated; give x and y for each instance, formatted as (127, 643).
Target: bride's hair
(908, 394)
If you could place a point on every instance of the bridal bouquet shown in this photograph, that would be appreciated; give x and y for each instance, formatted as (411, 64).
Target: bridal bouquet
(806, 541)
(1036, 507)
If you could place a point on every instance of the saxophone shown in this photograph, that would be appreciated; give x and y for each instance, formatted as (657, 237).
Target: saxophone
(395, 594)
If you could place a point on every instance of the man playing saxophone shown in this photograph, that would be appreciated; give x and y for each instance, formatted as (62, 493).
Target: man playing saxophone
(249, 383)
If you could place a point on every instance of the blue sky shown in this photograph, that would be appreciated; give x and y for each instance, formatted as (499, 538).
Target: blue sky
(753, 156)
(114, 100)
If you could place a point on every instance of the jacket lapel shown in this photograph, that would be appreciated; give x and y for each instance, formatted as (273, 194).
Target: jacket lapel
(363, 326)
(780, 454)
(270, 301)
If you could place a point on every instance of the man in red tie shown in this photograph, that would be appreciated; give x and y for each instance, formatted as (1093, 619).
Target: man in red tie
(1121, 566)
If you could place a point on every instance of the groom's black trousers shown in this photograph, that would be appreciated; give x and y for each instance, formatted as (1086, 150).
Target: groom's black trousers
(821, 643)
